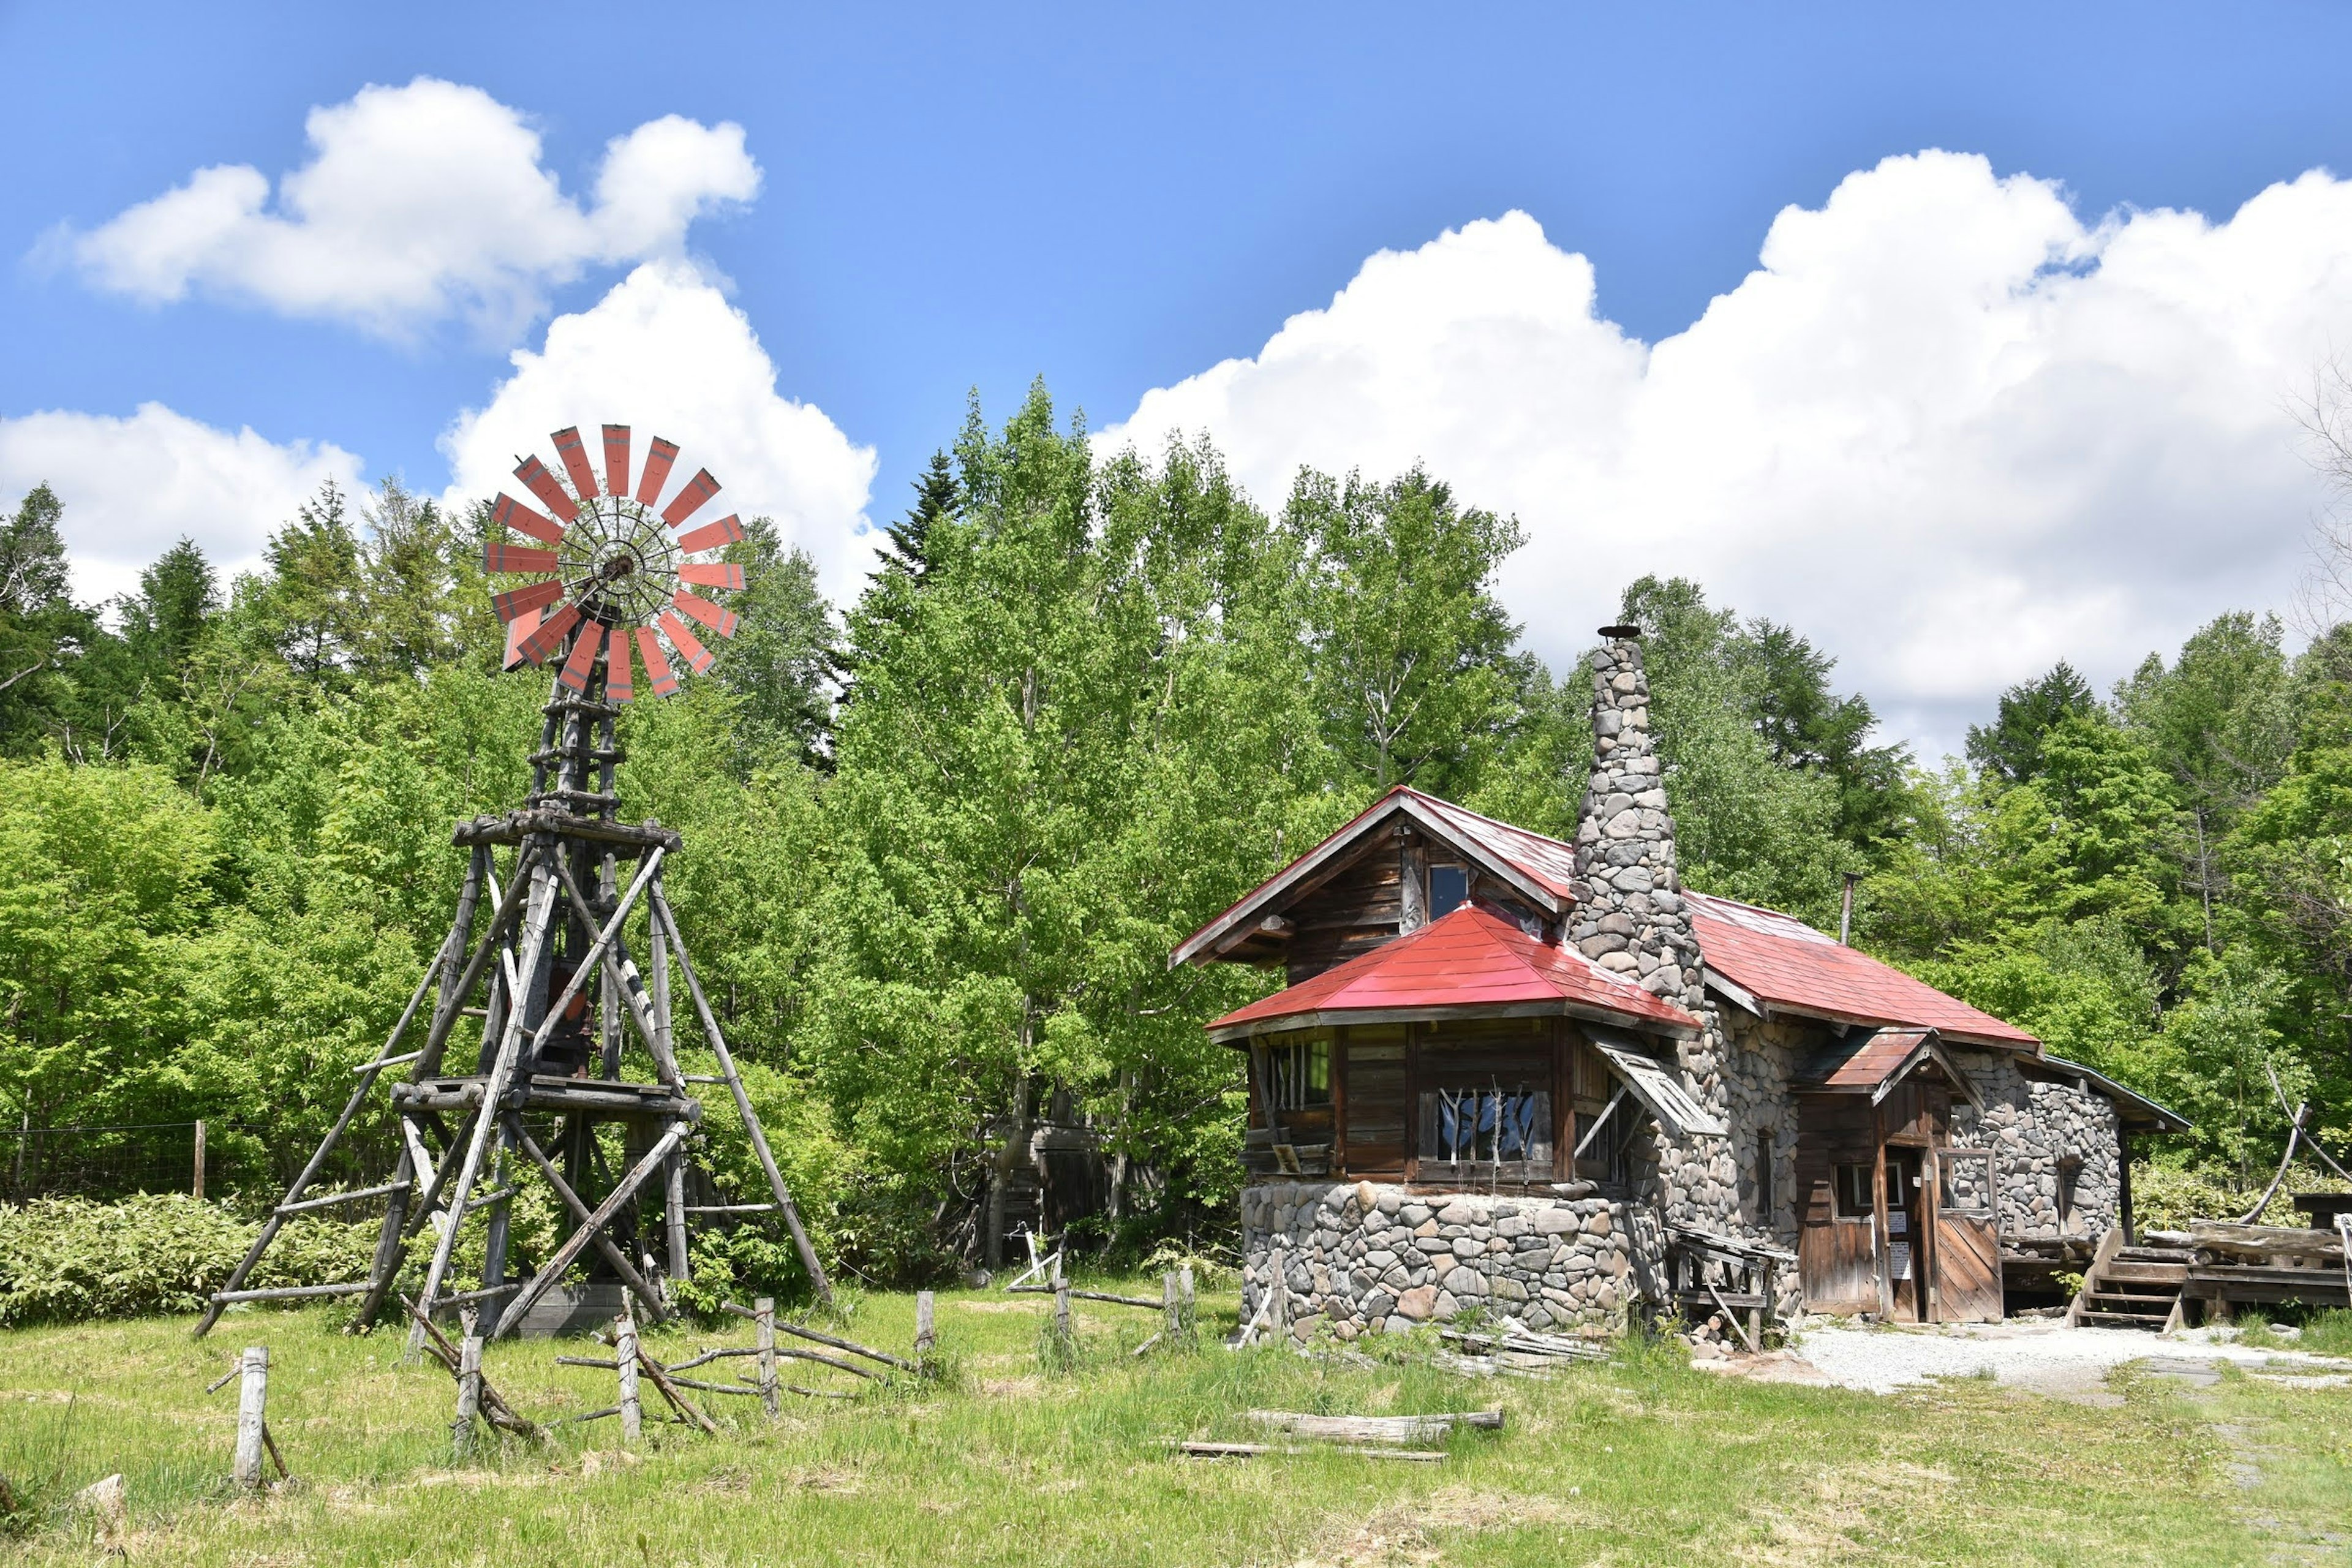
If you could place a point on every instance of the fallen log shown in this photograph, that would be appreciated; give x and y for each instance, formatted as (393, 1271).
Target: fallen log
(1391, 1430)
(2265, 1241)
(1253, 1450)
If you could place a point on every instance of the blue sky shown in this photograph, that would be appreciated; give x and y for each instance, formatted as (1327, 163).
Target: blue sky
(1120, 199)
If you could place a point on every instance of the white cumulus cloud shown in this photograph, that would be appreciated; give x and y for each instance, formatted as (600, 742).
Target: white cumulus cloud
(419, 202)
(667, 354)
(132, 488)
(1948, 427)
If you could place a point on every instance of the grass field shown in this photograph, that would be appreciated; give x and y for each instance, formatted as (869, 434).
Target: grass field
(1639, 1461)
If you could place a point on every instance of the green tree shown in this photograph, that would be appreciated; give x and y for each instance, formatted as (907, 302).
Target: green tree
(2220, 723)
(1414, 660)
(44, 635)
(1084, 738)
(781, 659)
(164, 621)
(406, 615)
(1746, 825)
(936, 495)
(2011, 746)
(315, 586)
(105, 887)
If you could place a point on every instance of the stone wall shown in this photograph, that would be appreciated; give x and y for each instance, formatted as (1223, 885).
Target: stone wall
(2032, 1126)
(1366, 1258)
(1758, 1070)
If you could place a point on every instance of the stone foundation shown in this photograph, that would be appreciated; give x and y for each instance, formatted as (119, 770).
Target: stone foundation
(1365, 1258)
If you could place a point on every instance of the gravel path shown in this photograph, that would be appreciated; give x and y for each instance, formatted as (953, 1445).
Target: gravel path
(2046, 1357)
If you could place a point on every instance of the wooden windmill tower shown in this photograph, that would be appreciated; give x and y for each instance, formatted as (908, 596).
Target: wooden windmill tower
(543, 941)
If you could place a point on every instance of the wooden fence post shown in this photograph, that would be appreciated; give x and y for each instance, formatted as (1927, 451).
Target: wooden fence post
(1184, 1296)
(469, 1388)
(624, 1355)
(252, 1407)
(1279, 1316)
(1062, 1319)
(925, 1335)
(1171, 1309)
(196, 1188)
(765, 1307)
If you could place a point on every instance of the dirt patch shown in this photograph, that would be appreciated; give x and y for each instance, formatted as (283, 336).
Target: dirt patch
(832, 1481)
(1404, 1534)
(1832, 1524)
(1013, 1387)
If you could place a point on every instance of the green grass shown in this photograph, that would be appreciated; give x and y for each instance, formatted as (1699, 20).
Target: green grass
(2327, 1332)
(1640, 1461)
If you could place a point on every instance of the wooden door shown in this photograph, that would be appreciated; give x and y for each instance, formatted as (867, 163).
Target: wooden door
(1967, 1252)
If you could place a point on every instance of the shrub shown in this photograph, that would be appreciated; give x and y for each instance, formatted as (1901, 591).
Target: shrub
(2166, 1197)
(63, 1260)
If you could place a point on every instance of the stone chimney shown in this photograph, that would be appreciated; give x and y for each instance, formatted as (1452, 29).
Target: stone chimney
(1634, 921)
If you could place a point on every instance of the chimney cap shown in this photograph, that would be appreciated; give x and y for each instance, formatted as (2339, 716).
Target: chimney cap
(1621, 633)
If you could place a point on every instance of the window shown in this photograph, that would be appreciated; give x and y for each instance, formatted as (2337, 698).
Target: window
(1487, 1126)
(1767, 1199)
(1852, 1187)
(1298, 1073)
(1449, 890)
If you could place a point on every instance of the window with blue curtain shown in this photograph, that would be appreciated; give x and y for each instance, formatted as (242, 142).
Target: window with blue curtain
(1449, 890)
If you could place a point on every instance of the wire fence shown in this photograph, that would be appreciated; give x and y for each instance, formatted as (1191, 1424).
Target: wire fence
(107, 1162)
(209, 1160)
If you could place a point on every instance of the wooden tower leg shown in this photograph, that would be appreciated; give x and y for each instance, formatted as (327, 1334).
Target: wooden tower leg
(326, 1146)
(494, 1246)
(758, 1136)
(390, 1246)
(536, 921)
(674, 1246)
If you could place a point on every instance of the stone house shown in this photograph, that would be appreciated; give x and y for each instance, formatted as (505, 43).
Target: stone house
(1545, 1081)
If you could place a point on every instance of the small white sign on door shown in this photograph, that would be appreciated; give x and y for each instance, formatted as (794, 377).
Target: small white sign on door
(1898, 1260)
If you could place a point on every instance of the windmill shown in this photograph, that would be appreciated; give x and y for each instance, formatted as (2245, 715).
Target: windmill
(545, 944)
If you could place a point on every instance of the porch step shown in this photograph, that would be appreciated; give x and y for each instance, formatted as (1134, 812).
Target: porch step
(2136, 1287)
(2171, 1275)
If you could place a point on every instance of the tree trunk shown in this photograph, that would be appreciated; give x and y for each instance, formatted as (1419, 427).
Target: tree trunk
(1016, 1143)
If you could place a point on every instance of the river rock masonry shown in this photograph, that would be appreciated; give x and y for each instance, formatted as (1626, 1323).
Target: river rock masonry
(1362, 1257)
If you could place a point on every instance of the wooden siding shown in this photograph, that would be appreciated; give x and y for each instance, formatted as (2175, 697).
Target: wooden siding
(1837, 1258)
(1373, 1088)
(1357, 910)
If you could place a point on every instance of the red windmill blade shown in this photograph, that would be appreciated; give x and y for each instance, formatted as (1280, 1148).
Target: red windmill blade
(575, 462)
(613, 576)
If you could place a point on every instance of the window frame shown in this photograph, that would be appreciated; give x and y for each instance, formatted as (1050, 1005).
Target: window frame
(1866, 1186)
(1293, 1065)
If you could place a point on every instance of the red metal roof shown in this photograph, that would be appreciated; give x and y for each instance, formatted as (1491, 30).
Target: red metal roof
(1777, 959)
(1784, 963)
(1470, 959)
(1545, 861)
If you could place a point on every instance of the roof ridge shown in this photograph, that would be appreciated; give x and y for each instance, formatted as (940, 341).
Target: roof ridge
(1493, 821)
